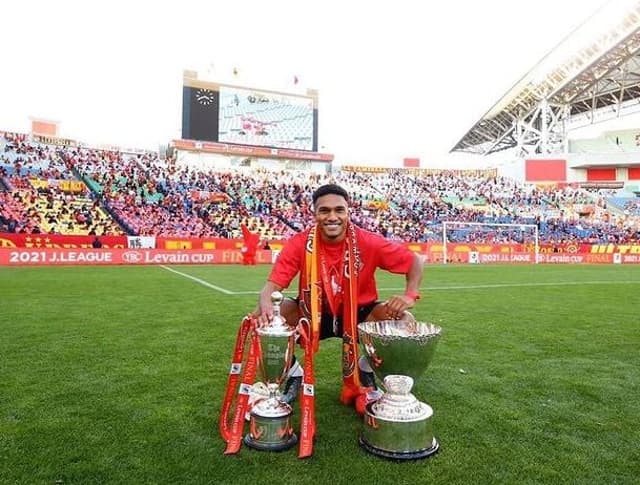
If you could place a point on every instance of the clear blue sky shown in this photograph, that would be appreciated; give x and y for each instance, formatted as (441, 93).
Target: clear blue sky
(396, 79)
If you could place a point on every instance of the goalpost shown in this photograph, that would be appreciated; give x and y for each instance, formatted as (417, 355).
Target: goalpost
(484, 233)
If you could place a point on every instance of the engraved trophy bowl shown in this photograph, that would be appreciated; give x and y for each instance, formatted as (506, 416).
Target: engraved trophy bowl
(398, 426)
(270, 426)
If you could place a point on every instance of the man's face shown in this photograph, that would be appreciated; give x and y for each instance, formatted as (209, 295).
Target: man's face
(332, 215)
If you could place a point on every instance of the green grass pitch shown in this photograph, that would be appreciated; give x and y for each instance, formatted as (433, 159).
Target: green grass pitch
(117, 374)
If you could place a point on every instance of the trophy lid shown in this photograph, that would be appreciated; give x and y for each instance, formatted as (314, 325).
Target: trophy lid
(278, 325)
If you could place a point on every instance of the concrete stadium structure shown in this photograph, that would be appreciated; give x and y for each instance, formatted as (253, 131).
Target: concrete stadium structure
(591, 78)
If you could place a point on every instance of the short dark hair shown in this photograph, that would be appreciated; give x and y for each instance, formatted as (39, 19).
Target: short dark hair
(329, 189)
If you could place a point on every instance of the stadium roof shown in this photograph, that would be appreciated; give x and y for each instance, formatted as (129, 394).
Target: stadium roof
(593, 75)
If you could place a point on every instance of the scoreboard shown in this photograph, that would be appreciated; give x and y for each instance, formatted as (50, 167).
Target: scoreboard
(246, 116)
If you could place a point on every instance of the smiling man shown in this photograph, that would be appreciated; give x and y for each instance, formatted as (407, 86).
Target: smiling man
(336, 261)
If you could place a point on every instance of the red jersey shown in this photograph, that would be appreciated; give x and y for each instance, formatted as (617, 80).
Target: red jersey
(375, 252)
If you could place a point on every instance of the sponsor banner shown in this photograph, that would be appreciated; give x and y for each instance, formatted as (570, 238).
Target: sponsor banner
(612, 248)
(44, 241)
(105, 256)
(458, 252)
(630, 258)
(512, 258)
(255, 151)
(480, 247)
(37, 257)
(437, 257)
(560, 258)
(528, 248)
(488, 172)
(573, 248)
(13, 240)
(64, 256)
(570, 248)
(497, 257)
(613, 258)
(589, 258)
(141, 242)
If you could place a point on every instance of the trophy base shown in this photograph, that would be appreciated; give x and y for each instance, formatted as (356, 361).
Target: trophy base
(261, 446)
(270, 427)
(401, 455)
(394, 438)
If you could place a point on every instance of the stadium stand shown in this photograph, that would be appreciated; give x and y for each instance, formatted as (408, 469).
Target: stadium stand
(140, 194)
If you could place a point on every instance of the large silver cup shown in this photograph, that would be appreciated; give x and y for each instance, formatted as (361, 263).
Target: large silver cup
(270, 419)
(397, 425)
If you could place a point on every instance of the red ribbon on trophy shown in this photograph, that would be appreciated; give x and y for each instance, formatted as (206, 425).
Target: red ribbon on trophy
(234, 375)
(233, 436)
(307, 397)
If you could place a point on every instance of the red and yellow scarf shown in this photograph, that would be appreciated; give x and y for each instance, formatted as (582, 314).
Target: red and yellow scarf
(315, 282)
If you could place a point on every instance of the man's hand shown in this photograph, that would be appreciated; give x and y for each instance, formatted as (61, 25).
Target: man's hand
(263, 313)
(397, 305)
(264, 310)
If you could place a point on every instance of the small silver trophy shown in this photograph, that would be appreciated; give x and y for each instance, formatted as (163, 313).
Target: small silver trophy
(270, 419)
(397, 425)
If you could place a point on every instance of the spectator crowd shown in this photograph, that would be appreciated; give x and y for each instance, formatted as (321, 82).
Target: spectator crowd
(85, 191)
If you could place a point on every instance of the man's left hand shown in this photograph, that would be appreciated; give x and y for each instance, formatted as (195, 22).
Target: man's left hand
(397, 305)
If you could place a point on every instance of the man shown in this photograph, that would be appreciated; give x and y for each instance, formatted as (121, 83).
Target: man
(249, 245)
(336, 261)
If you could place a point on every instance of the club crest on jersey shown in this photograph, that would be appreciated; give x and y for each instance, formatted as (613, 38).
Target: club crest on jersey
(348, 356)
(309, 246)
(305, 303)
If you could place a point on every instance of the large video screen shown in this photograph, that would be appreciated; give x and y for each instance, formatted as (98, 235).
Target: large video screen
(231, 114)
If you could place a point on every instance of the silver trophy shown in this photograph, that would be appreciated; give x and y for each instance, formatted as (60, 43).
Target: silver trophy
(397, 425)
(270, 419)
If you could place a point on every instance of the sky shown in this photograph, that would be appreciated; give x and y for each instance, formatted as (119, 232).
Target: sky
(396, 79)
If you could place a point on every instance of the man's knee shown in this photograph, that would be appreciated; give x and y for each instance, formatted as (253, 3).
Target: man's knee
(289, 310)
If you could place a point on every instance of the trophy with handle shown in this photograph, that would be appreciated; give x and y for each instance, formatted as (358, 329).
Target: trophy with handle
(398, 426)
(270, 425)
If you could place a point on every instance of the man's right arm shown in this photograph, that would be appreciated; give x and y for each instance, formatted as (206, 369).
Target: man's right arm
(284, 270)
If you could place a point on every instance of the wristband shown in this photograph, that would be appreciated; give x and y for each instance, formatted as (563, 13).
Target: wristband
(412, 294)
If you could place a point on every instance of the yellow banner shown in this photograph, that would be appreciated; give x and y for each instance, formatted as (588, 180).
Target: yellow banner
(73, 186)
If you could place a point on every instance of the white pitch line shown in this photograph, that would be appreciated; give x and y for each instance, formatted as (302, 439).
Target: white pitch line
(499, 285)
(198, 280)
(429, 288)
(517, 285)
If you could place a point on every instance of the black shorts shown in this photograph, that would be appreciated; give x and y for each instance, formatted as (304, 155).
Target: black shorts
(326, 322)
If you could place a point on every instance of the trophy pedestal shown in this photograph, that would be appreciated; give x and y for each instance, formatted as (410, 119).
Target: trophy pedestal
(397, 425)
(398, 439)
(270, 427)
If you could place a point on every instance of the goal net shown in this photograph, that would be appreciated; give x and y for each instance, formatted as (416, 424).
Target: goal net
(485, 242)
